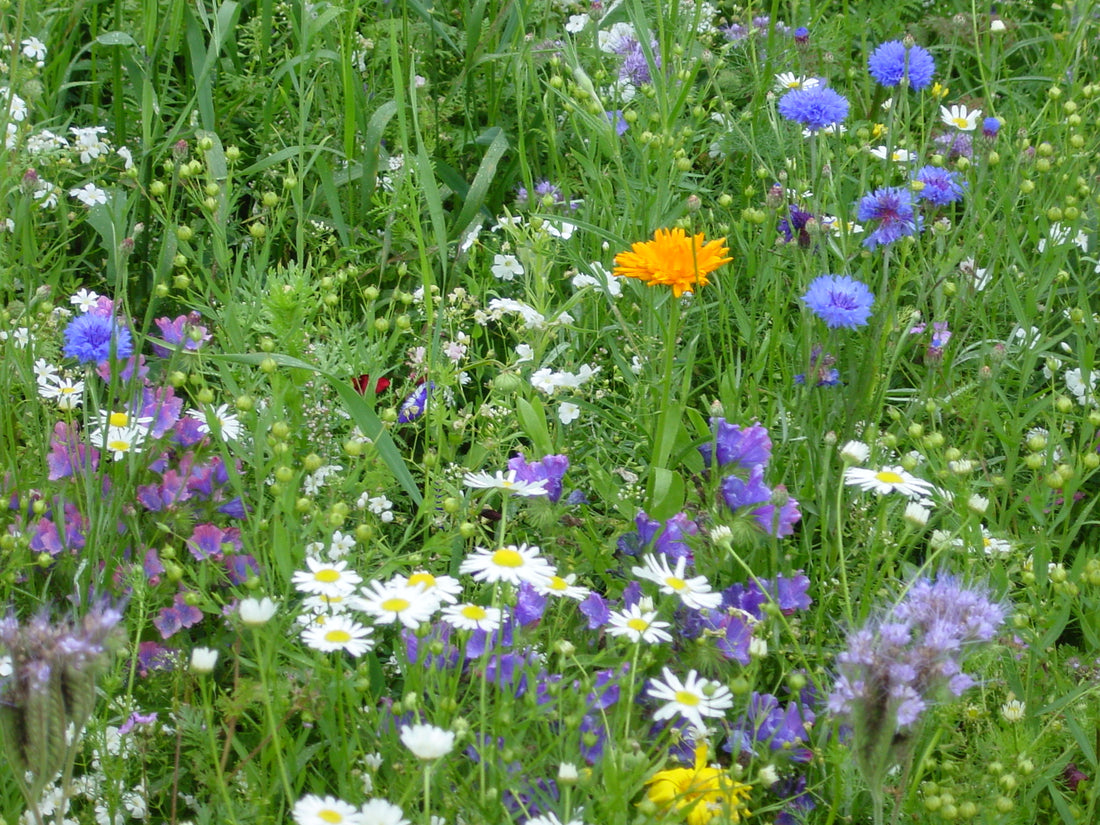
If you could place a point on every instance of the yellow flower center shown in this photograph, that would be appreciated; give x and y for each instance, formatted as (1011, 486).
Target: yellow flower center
(639, 625)
(507, 557)
(118, 419)
(396, 605)
(118, 446)
(329, 815)
(889, 477)
(688, 698)
(67, 390)
(474, 612)
(338, 636)
(676, 583)
(327, 576)
(427, 580)
(558, 583)
(960, 122)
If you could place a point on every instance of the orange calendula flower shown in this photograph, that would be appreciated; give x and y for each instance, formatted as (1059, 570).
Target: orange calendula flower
(672, 259)
(700, 794)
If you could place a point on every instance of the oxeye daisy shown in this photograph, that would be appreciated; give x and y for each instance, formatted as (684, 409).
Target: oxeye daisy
(888, 480)
(514, 564)
(505, 482)
(563, 587)
(694, 699)
(790, 80)
(694, 592)
(444, 589)
(334, 633)
(638, 625)
(389, 603)
(471, 616)
(672, 259)
(229, 426)
(329, 579)
(960, 117)
(316, 810)
(381, 812)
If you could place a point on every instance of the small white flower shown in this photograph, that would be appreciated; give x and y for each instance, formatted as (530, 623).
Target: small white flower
(790, 80)
(694, 699)
(512, 563)
(229, 425)
(34, 49)
(316, 810)
(89, 195)
(506, 267)
(127, 157)
(471, 616)
(1013, 710)
(694, 593)
(393, 602)
(84, 300)
(339, 632)
(203, 659)
(381, 812)
(505, 482)
(326, 579)
(427, 742)
(576, 23)
(256, 612)
(855, 452)
(17, 107)
(977, 504)
(888, 480)
(897, 156)
(638, 625)
(960, 117)
(568, 412)
(916, 514)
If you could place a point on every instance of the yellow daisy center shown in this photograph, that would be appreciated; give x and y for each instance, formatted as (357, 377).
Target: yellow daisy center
(889, 477)
(327, 576)
(396, 605)
(329, 815)
(425, 579)
(558, 583)
(685, 697)
(118, 419)
(118, 446)
(474, 612)
(676, 583)
(67, 390)
(338, 636)
(507, 557)
(639, 625)
(960, 122)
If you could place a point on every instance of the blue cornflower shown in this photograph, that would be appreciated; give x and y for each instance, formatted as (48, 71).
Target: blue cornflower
(891, 63)
(990, 127)
(744, 448)
(89, 338)
(839, 301)
(816, 107)
(892, 207)
(941, 186)
(414, 406)
(801, 35)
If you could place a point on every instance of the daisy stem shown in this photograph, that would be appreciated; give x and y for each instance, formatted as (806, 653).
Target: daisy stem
(630, 688)
(271, 721)
(841, 563)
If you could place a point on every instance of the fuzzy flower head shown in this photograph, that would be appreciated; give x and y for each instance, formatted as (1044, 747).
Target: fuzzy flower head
(93, 338)
(892, 208)
(892, 63)
(939, 186)
(700, 794)
(815, 107)
(672, 259)
(839, 301)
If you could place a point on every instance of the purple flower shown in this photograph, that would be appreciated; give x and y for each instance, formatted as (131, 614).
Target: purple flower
(892, 207)
(550, 469)
(738, 493)
(795, 225)
(734, 32)
(892, 62)
(801, 35)
(414, 406)
(635, 68)
(596, 609)
(822, 372)
(615, 117)
(815, 108)
(744, 448)
(990, 127)
(941, 186)
(839, 301)
(92, 338)
(667, 537)
(955, 144)
(180, 615)
(183, 329)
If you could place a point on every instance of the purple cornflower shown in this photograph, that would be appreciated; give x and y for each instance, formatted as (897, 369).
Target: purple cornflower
(801, 35)
(550, 469)
(839, 301)
(892, 207)
(895, 666)
(990, 127)
(795, 225)
(822, 372)
(892, 62)
(91, 337)
(941, 186)
(744, 448)
(816, 107)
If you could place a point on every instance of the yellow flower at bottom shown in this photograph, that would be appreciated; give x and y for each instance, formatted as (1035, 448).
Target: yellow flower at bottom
(701, 793)
(672, 259)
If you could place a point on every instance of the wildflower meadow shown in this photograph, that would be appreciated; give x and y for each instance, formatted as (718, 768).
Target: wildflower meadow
(550, 412)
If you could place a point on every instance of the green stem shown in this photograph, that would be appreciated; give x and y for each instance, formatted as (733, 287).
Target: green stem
(272, 723)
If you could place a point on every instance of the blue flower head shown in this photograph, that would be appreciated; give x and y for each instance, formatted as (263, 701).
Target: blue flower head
(892, 207)
(839, 301)
(816, 107)
(414, 406)
(941, 186)
(90, 338)
(892, 62)
(990, 127)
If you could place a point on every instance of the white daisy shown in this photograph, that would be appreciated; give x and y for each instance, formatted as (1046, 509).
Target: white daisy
(888, 480)
(64, 390)
(994, 546)
(638, 625)
(563, 587)
(505, 482)
(229, 426)
(897, 156)
(331, 579)
(694, 593)
(472, 617)
(693, 699)
(960, 117)
(790, 80)
(389, 603)
(444, 589)
(339, 633)
(315, 810)
(855, 452)
(514, 564)
(427, 742)
(381, 812)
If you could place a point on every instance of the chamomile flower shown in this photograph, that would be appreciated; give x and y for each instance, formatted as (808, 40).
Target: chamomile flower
(390, 602)
(563, 587)
(694, 592)
(330, 579)
(336, 633)
(888, 480)
(694, 699)
(505, 482)
(638, 625)
(66, 391)
(444, 589)
(513, 563)
(471, 616)
(790, 80)
(960, 117)
(316, 810)
(229, 426)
